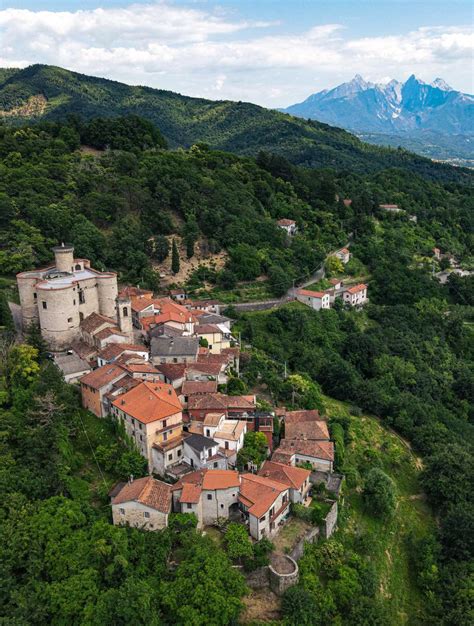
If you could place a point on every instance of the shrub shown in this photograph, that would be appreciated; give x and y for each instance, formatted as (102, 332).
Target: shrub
(379, 493)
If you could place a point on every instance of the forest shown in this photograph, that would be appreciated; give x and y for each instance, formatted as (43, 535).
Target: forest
(407, 358)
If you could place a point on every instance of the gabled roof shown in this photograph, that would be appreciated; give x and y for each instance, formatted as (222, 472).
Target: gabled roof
(113, 350)
(148, 402)
(199, 442)
(293, 477)
(133, 292)
(356, 288)
(285, 222)
(302, 415)
(311, 294)
(148, 491)
(259, 493)
(213, 419)
(218, 401)
(316, 449)
(102, 376)
(207, 329)
(174, 346)
(108, 332)
(191, 387)
(193, 483)
(94, 321)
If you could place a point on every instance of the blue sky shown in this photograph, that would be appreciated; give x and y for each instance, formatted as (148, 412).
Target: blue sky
(267, 51)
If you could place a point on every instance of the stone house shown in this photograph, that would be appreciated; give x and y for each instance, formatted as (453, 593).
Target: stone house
(152, 416)
(173, 350)
(209, 494)
(59, 297)
(355, 296)
(265, 503)
(178, 294)
(295, 478)
(208, 306)
(172, 373)
(142, 503)
(317, 300)
(232, 406)
(319, 454)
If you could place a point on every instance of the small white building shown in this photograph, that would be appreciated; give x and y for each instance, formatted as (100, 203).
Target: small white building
(355, 296)
(142, 503)
(343, 255)
(202, 452)
(317, 300)
(228, 433)
(289, 226)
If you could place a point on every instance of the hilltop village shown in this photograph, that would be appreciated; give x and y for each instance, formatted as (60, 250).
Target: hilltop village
(160, 367)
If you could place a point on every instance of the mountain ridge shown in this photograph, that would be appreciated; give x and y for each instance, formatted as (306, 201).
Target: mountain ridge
(239, 127)
(391, 107)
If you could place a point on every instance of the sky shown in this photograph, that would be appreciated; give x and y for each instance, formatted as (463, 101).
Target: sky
(271, 52)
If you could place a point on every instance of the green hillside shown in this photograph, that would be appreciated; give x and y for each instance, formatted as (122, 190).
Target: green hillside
(47, 92)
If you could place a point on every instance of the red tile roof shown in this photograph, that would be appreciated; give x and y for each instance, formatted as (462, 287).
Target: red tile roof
(312, 294)
(259, 493)
(303, 415)
(102, 376)
(172, 371)
(285, 222)
(293, 477)
(356, 288)
(191, 387)
(193, 483)
(108, 332)
(113, 350)
(94, 321)
(148, 402)
(316, 449)
(307, 430)
(148, 491)
(218, 401)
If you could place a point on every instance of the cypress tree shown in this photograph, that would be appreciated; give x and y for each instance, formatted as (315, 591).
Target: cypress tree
(175, 258)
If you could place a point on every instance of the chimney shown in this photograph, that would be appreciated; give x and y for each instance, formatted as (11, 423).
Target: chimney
(130, 479)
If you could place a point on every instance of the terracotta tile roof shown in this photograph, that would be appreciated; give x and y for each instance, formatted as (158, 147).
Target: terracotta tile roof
(280, 456)
(83, 349)
(103, 376)
(307, 430)
(312, 294)
(316, 449)
(344, 250)
(303, 415)
(140, 303)
(285, 222)
(148, 402)
(108, 332)
(218, 401)
(191, 387)
(196, 428)
(148, 491)
(172, 371)
(113, 350)
(94, 321)
(194, 483)
(356, 288)
(133, 292)
(388, 206)
(144, 367)
(207, 329)
(231, 430)
(293, 477)
(259, 493)
(335, 281)
(347, 201)
(213, 419)
(208, 369)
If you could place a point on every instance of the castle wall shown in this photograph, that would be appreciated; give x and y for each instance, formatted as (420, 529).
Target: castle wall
(26, 289)
(107, 292)
(58, 316)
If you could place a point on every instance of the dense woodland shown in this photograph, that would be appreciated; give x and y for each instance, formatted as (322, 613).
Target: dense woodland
(407, 358)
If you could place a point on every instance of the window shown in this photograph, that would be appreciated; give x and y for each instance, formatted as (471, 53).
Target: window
(45, 306)
(179, 453)
(272, 510)
(125, 311)
(189, 505)
(78, 267)
(208, 432)
(216, 464)
(146, 514)
(82, 297)
(226, 445)
(164, 423)
(74, 302)
(262, 519)
(175, 360)
(165, 436)
(122, 511)
(140, 426)
(222, 506)
(69, 320)
(35, 295)
(209, 496)
(81, 315)
(170, 457)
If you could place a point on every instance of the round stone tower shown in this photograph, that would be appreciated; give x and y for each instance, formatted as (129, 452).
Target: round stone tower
(58, 314)
(64, 258)
(26, 282)
(107, 292)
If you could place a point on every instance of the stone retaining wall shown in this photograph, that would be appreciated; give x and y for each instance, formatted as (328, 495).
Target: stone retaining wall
(310, 537)
(279, 583)
(329, 522)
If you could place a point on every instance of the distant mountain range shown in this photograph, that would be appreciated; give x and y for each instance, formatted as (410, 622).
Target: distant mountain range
(413, 111)
(44, 92)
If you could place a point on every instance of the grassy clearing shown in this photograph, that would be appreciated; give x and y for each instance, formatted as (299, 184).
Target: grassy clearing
(385, 542)
(290, 534)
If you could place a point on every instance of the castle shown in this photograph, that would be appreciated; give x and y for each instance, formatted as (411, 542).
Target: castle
(59, 298)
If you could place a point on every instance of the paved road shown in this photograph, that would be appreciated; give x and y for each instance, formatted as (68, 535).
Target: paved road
(290, 294)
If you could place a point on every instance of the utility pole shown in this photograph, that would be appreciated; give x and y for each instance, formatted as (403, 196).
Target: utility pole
(285, 374)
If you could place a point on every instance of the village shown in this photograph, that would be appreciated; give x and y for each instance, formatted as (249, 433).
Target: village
(159, 367)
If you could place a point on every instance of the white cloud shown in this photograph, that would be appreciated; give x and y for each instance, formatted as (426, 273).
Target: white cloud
(214, 54)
